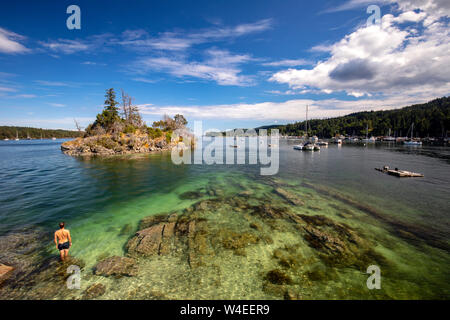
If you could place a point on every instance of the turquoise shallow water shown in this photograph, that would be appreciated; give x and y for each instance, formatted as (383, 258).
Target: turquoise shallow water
(405, 221)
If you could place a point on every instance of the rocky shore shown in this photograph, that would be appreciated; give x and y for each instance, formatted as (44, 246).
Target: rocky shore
(270, 243)
(117, 144)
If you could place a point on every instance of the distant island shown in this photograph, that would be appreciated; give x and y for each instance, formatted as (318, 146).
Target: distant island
(13, 132)
(119, 129)
(431, 119)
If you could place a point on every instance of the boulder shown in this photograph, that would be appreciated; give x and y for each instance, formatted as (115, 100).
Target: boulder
(155, 240)
(116, 266)
(94, 291)
(5, 272)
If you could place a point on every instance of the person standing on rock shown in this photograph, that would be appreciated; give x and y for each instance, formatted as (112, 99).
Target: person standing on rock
(63, 241)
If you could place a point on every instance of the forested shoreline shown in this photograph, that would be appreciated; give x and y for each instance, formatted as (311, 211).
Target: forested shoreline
(431, 119)
(10, 132)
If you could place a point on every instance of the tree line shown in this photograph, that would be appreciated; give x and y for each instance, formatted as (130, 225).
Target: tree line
(9, 132)
(431, 119)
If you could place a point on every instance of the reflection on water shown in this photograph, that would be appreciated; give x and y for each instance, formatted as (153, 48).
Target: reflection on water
(366, 218)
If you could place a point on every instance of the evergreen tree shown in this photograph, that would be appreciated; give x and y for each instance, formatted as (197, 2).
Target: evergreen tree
(110, 113)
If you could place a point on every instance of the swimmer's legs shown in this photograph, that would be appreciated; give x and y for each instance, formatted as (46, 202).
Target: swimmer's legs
(66, 253)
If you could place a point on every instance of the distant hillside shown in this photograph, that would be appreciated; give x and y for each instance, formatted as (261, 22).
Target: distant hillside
(35, 133)
(430, 119)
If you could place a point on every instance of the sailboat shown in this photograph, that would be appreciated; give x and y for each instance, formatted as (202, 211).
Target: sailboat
(412, 142)
(389, 137)
(17, 136)
(307, 146)
(366, 139)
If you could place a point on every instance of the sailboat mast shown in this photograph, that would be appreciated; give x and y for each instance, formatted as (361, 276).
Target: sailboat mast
(306, 120)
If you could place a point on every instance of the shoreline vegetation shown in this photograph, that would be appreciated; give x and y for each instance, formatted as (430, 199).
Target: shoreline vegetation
(121, 130)
(23, 133)
(431, 119)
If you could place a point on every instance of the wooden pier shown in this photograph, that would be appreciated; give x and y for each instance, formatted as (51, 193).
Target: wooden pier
(399, 173)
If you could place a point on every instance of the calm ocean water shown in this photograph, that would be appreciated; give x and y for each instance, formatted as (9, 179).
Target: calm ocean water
(41, 186)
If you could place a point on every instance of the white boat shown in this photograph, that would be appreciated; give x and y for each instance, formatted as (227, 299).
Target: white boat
(323, 143)
(6, 139)
(371, 139)
(17, 136)
(412, 142)
(389, 138)
(311, 147)
(298, 147)
(367, 139)
(53, 138)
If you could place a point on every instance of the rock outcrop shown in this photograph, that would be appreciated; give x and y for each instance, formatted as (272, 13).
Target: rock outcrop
(94, 291)
(116, 144)
(117, 266)
(5, 272)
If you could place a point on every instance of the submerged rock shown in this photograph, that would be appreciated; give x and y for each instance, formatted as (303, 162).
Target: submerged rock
(126, 229)
(94, 291)
(289, 196)
(277, 276)
(147, 241)
(191, 195)
(116, 266)
(292, 295)
(234, 240)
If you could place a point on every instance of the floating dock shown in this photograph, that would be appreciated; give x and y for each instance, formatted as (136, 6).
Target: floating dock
(399, 173)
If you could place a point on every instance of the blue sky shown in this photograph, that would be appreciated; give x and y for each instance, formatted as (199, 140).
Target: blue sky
(228, 63)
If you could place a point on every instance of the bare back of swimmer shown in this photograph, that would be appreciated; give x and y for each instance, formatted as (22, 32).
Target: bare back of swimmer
(63, 241)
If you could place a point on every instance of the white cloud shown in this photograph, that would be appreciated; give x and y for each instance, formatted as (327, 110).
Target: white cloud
(9, 42)
(290, 110)
(53, 83)
(69, 46)
(287, 63)
(66, 46)
(383, 61)
(219, 66)
(57, 105)
(178, 41)
(7, 89)
(55, 123)
(145, 80)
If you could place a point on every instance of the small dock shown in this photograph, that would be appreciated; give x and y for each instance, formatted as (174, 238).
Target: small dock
(399, 173)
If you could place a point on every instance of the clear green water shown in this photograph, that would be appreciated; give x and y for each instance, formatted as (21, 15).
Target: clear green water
(103, 200)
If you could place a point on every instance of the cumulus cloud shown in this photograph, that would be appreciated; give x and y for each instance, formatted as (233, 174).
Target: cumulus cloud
(384, 60)
(10, 42)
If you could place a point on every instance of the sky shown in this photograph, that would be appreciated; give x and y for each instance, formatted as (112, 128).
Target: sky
(227, 63)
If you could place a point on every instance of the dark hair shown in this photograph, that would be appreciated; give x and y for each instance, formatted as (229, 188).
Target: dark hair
(61, 225)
